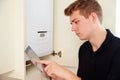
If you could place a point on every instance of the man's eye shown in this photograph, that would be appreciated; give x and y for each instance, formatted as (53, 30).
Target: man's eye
(76, 22)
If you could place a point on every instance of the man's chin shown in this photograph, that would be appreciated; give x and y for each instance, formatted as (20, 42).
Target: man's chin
(82, 38)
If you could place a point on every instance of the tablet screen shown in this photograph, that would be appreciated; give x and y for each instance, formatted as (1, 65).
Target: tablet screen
(33, 57)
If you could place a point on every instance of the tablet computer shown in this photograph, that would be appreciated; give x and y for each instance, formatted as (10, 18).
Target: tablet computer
(33, 57)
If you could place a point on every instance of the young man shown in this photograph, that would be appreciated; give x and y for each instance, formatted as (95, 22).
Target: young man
(99, 56)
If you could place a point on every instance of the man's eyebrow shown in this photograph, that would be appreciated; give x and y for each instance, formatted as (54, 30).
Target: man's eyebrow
(73, 20)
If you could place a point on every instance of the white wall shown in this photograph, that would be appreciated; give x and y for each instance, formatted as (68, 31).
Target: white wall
(117, 29)
(109, 13)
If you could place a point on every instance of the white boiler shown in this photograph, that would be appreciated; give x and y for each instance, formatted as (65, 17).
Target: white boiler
(39, 26)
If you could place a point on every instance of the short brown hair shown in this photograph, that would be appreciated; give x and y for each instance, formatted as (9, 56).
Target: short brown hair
(86, 7)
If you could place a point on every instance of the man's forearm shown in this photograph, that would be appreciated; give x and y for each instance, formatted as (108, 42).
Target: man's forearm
(73, 77)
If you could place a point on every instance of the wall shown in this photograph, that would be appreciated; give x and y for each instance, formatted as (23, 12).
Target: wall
(117, 29)
(109, 13)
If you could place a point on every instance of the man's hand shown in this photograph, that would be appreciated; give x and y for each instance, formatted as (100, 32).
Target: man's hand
(56, 71)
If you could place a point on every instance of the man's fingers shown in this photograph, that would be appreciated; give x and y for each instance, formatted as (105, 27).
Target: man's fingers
(43, 62)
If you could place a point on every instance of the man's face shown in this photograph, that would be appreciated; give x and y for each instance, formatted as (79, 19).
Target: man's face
(80, 25)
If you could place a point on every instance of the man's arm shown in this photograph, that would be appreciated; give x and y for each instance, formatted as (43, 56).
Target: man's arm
(56, 71)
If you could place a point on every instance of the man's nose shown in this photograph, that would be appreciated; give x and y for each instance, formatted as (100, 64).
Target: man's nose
(73, 28)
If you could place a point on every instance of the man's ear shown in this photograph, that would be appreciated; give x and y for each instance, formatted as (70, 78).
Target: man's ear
(93, 17)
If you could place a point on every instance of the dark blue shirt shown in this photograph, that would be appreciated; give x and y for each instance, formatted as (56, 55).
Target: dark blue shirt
(103, 64)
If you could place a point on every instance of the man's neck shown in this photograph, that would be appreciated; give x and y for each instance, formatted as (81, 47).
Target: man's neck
(98, 38)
